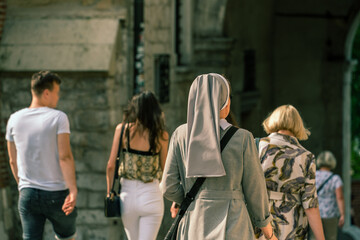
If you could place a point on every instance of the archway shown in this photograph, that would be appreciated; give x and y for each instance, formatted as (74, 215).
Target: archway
(351, 61)
(355, 131)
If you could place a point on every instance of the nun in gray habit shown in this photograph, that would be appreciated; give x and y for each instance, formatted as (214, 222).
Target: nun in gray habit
(234, 193)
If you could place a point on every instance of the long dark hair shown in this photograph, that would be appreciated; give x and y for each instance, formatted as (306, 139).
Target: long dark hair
(145, 108)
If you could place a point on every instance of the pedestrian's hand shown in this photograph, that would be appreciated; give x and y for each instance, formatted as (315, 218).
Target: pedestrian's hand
(69, 203)
(174, 209)
(341, 221)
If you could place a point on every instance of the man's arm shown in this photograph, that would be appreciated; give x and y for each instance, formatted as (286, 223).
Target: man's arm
(67, 165)
(12, 159)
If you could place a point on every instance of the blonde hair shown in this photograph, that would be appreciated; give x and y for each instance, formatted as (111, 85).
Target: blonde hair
(326, 159)
(286, 117)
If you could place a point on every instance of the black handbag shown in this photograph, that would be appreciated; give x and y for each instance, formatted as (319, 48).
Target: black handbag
(112, 203)
(112, 206)
(190, 196)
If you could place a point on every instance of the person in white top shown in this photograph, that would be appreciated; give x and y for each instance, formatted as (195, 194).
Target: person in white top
(41, 160)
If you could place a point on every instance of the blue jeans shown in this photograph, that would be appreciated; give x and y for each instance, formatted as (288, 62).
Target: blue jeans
(35, 206)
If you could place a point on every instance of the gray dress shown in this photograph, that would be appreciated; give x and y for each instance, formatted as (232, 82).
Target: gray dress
(224, 206)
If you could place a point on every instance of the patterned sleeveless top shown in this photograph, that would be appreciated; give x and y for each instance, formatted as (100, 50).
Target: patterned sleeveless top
(140, 165)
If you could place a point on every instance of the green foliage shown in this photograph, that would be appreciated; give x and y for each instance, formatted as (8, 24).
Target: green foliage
(355, 110)
(355, 159)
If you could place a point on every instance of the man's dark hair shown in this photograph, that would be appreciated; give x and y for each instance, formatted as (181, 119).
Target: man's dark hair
(44, 80)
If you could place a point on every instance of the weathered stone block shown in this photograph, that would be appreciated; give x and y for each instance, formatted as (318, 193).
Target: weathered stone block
(163, 35)
(81, 166)
(96, 199)
(82, 44)
(88, 216)
(91, 85)
(82, 199)
(92, 181)
(78, 138)
(95, 100)
(94, 120)
(20, 99)
(99, 233)
(93, 140)
(67, 105)
(2, 231)
(97, 160)
(48, 231)
(104, 5)
(87, 2)
(11, 84)
(165, 2)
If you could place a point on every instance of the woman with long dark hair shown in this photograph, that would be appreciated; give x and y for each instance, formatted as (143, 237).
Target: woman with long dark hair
(144, 143)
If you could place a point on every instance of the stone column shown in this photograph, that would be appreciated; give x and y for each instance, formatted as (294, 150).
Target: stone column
(346, 141)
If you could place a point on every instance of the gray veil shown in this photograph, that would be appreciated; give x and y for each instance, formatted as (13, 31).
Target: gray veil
(209, 93)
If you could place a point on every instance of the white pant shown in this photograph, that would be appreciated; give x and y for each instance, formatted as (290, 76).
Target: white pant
(142, 209)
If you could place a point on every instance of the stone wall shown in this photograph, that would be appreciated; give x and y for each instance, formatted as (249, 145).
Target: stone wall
(158, 39)
(6, 218)
(84, 97)
(93, 101)
(2, 15)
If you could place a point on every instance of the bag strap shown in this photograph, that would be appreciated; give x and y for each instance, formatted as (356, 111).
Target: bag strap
(128, 138)
(323, 184)
(257, 142)
(190, 196)
(118, 160)
(226, 138)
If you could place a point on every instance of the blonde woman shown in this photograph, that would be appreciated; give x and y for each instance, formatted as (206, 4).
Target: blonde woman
(290, 176)
(330, 193)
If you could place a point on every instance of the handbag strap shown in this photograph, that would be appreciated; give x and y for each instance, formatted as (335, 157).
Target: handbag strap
(128, 138)
(190, 196)
(323, 184)
(118, 159)
(257, 142)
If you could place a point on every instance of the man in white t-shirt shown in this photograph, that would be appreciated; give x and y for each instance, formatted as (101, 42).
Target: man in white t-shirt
(38, 140)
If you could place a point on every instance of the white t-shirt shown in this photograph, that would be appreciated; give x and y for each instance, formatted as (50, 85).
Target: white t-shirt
(34, 131)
